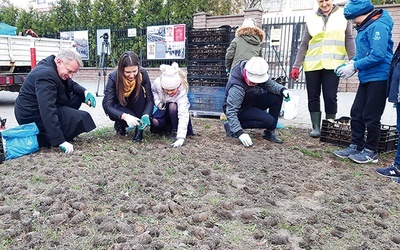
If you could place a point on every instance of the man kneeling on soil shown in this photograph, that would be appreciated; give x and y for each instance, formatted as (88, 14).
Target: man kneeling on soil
(248, 94)
(51, 99)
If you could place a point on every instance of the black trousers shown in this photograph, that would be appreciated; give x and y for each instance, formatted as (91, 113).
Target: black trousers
(366, 112)
(72, 121)
(328, 82)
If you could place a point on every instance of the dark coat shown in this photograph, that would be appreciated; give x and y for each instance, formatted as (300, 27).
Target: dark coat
(394, 77)
(52, 104)
(111, 104)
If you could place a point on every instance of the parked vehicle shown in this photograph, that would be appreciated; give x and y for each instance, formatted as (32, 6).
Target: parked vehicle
(19, 54)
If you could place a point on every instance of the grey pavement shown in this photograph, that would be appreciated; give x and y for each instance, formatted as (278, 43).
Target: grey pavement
(345, 100)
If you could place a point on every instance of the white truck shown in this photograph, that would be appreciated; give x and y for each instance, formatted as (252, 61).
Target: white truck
(16, 60)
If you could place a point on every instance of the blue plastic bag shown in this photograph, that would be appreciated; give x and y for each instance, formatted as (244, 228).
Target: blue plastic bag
(21, 140)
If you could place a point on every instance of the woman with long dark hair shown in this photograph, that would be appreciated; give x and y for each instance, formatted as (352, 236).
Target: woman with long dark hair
(128, 99)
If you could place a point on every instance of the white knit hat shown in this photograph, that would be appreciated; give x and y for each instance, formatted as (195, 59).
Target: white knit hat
(257, 70)
(249, 22)
(170, 78)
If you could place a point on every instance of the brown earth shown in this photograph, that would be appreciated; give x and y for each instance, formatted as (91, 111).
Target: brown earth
(212, 193)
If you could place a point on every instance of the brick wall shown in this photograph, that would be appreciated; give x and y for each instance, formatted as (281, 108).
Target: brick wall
(203, 20)
(394, 11)
(92, 73)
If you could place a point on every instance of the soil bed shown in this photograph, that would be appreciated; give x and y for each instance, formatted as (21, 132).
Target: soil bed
(212, 193)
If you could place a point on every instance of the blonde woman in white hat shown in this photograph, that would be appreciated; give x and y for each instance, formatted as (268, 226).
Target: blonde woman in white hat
(170, 97)
(248, 94)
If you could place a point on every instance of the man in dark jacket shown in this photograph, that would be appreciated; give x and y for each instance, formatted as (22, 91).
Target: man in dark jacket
(51, 99)
(248, 94)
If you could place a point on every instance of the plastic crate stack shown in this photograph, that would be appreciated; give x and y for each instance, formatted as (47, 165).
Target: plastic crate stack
(206, 68)
(338, 132)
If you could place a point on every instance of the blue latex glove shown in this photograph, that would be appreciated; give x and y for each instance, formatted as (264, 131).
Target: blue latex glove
(286, 95)
(144, 122)
(338, 67)
(90, 100)
(228, 72)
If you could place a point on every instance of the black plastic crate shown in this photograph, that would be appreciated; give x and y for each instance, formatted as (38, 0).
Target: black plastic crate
(338, 132)
(207, 51)
(388, 139)
(222, 34)
(206, 98)
(207, 81)
(206, 69)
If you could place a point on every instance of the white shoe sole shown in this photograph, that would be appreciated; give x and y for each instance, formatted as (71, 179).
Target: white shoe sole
(364, 162)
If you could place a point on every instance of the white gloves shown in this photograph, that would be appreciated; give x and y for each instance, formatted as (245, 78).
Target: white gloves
(178, 143)
(338, 67)
(131, 120)
(245, 140)
(67, 147)
(346, 71)
(286, 95)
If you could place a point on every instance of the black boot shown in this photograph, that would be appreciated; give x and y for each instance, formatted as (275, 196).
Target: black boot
(190, 129)
(119, 129)
(271, 136)
(173, 135)
(138, 136)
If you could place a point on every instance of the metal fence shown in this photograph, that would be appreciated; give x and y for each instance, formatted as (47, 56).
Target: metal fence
(119, 43)
(283, 36)
(138, 44)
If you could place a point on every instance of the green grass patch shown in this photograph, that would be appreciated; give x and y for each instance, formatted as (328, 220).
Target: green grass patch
(297, 229)
(308, 152)
(37, 179)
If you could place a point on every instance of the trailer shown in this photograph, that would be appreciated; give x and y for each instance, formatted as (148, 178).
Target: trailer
(19, 54)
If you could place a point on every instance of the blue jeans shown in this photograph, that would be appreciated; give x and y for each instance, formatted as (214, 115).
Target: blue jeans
(256, 116)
